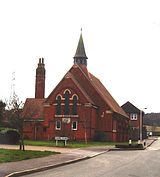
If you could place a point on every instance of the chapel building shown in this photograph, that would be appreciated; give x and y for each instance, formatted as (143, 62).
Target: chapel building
(79, 107)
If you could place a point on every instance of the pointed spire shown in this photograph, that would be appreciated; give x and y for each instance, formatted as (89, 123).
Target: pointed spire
(80, 55)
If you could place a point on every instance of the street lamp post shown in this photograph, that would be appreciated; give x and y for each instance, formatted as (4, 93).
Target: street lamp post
(141, 125)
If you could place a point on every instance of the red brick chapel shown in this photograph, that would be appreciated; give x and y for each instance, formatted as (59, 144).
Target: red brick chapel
(79, 107)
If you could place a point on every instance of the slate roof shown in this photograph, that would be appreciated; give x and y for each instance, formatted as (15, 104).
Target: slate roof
(80, 52)
(130, 108)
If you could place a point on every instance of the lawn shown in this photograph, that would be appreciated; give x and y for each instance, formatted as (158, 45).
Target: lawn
(7, 155)
(69, 144)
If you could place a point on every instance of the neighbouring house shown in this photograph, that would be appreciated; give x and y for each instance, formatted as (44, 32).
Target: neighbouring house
(79, 107)
(135, 123)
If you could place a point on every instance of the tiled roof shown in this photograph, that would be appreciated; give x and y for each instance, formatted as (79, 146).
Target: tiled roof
(33, 108)
(103, 92)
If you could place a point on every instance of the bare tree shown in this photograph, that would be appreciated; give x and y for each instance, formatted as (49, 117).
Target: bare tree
(16, 118)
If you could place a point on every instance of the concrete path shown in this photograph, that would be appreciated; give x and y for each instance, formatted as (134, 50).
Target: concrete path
(67, 156)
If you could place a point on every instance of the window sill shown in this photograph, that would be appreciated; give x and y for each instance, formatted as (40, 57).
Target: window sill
(66, 116)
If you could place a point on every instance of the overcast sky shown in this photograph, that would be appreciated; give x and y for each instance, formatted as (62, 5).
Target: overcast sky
(121, 38)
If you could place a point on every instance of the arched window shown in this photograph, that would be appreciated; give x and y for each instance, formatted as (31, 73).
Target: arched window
(58, 106)
(74, 125)
(66, 107)
(58, 125)
(74, 108)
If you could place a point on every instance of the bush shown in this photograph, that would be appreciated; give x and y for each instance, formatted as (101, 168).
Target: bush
(127, 146)
(9, 136)
(100, 136)
(13, 136)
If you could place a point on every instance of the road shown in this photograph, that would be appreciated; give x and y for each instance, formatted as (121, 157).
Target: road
(145, 163)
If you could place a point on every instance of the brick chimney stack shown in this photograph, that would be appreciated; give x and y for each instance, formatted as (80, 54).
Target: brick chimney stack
(40, 79)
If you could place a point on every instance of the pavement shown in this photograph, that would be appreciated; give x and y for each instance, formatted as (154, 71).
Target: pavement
(67, 156)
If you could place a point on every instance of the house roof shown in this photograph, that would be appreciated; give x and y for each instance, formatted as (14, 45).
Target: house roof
(130, 108)
(33, 108)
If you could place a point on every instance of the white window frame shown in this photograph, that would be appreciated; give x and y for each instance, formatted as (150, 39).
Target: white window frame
(133, 116)
(56, 125)
(75, 124)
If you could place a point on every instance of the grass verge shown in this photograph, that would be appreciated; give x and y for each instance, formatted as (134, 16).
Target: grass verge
(69, 144)
(7, 155)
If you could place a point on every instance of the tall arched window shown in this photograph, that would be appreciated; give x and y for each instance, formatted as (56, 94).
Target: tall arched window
(66, 107)
(58, 106)
(74, 108)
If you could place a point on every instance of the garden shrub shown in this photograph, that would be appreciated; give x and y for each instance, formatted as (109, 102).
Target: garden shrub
(9, 136)
(101, 136)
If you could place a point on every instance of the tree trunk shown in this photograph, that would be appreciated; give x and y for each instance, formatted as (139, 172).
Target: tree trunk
(85, 136)
(21, 142)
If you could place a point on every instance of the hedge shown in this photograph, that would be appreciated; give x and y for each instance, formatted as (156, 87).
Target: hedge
(9, 136)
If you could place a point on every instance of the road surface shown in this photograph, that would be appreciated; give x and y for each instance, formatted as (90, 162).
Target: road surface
(140, 163)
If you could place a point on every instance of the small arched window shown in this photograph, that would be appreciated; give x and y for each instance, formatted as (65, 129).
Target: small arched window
(66, 107)
(58, 107)
(74, 109)
(58, 125)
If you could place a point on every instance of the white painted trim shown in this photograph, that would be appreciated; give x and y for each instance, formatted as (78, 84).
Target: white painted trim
(74, 95)
(59, 95)
(76, 126)
(67, 90)
(56, 125)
